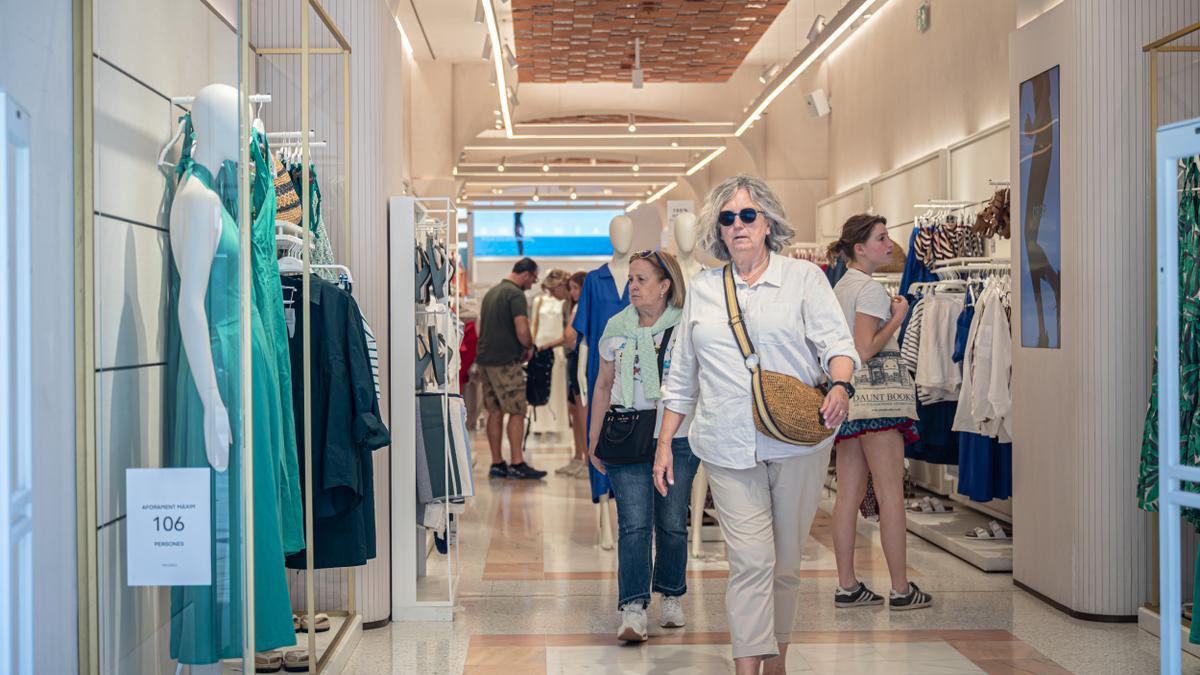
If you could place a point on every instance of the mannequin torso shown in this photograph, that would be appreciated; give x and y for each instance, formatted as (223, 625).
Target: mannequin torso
(684, 231)
(620, 233)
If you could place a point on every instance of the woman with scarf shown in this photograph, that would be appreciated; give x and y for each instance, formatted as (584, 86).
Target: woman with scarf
(630, 379)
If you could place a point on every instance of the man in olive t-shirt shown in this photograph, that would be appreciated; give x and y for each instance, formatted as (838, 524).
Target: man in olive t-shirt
(505, 344)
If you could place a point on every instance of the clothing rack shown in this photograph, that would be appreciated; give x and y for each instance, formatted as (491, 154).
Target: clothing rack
(410, 221)
(188, 100)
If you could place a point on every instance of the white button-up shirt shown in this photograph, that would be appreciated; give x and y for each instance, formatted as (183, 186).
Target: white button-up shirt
(796, 325)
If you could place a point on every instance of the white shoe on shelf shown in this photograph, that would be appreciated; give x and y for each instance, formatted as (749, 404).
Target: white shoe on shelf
(633, 623)
(672, 612)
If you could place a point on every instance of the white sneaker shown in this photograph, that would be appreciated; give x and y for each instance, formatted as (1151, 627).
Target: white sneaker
(672, 612)
(568, 468)
(633, 623)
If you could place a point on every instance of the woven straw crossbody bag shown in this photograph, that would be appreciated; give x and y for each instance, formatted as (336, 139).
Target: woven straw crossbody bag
(785, 408)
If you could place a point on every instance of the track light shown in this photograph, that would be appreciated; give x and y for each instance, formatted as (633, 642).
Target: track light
(674, 144)
(632, 124)
(636, 167)
(536, 197)
(510, 57)
(638, 76)
(574, 195)
(492, 78)
(545, 166)
(769, 74)
(818, 25)
(487, 48)
(500, 166)
(496, 112)
(479, 17)
(512, 98)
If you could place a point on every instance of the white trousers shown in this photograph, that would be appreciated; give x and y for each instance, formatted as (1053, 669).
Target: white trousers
(765, 513)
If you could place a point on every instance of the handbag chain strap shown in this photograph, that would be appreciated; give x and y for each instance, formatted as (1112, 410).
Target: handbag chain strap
(738, 326)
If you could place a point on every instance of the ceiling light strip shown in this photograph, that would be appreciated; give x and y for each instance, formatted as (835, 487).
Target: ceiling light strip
(622, 125)
(530, 137)
(658, 195)
(844, 21)
(493, 27)
(552, 174)
(634, 205)
(704, 162)
(509, 149)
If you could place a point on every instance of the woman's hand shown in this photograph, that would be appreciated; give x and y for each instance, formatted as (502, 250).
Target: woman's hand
(664, 467)
(835, 407)
(596, 461)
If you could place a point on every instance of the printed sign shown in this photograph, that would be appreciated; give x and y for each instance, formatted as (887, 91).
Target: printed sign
(168, 527)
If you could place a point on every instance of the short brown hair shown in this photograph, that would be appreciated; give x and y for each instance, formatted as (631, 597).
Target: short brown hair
(668, 268)
(856, 230)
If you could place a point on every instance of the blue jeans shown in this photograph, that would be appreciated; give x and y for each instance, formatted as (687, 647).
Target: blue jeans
(642, 512)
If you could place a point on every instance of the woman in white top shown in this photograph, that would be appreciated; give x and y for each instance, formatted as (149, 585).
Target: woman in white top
(875, 445)
(766, 491)
(630, 349)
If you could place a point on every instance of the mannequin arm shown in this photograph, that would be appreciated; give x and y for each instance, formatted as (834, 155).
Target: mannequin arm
(195, 233)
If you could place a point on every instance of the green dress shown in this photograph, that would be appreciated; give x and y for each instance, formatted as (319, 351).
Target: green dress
(268, 300)
(1189, 365)
(206, 621)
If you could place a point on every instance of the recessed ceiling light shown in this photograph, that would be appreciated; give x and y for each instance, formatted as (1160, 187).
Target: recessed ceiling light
(674, 144)
(607, 192)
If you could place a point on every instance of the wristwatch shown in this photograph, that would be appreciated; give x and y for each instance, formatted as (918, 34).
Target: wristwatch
(844, 385)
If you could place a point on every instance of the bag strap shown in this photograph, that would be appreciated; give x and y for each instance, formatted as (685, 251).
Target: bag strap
(662, 351)
(738, 326)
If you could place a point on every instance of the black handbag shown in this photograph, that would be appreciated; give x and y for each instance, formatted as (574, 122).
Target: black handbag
(627, 436)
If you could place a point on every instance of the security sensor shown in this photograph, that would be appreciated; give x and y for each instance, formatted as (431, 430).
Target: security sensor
(818, 25)
(818, 103)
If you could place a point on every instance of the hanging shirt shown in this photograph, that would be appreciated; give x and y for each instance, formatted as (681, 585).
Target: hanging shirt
(598, 302)
(937, 375)
(346, 425)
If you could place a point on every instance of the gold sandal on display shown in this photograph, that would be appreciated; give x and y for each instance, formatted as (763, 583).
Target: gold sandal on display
(268, 662)
(321, 621)
(296, 661)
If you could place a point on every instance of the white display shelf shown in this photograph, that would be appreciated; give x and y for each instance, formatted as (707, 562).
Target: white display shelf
(1149, 621)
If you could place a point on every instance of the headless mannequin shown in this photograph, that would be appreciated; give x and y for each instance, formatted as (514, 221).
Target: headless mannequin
(620, 233)
(195, 233)
(684, 231)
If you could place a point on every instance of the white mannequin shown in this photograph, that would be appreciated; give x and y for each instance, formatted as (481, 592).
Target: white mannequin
(684, 231)
(195, 233)
(620, 233)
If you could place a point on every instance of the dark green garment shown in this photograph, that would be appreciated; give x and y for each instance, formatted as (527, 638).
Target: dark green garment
(1189, 365)
(346, 426)
(498, 344)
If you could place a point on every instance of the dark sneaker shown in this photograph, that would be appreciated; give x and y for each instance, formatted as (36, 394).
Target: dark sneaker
(523, 470)
(914, 599)
(859, 596)
(498, 470)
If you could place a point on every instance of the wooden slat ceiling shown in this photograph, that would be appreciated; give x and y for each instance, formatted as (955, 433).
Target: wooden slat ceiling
(592, 40)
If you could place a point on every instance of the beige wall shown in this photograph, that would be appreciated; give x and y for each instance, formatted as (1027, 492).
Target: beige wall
(898, 94)
(1078, 411)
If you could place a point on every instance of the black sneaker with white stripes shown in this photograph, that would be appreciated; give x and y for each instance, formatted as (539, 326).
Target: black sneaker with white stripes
(859, 596)
(914, 599)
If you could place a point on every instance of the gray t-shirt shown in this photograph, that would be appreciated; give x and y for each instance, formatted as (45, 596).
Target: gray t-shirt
(858, 293)
(498, 343)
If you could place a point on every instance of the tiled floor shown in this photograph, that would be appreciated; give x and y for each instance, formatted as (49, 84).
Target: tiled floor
(537, 597)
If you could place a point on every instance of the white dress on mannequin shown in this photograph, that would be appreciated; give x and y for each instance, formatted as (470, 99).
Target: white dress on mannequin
(552, 417)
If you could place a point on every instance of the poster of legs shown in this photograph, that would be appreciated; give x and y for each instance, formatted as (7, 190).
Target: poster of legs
(1041, 216)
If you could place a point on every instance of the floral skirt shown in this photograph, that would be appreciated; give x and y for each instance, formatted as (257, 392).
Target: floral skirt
(855, 428)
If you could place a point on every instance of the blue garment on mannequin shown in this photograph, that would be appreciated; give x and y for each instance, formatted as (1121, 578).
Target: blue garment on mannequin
(598, 302)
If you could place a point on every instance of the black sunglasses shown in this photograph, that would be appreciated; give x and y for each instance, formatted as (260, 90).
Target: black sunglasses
(646, 254)
(748, 216)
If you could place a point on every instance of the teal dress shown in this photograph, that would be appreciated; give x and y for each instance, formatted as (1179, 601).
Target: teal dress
(268, 300)
(206, 621)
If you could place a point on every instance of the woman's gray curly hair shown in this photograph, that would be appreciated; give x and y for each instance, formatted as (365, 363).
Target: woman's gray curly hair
(780, 232)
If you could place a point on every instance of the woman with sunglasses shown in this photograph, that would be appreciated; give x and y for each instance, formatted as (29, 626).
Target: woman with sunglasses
(766, 491)
(634, 342)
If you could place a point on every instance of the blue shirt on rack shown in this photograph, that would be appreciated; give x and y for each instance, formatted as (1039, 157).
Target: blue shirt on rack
(598, 302)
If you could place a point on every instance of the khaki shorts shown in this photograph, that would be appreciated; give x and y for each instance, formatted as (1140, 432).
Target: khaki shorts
(504, 388)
